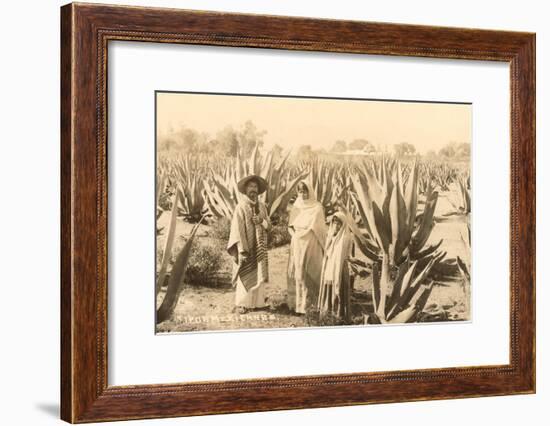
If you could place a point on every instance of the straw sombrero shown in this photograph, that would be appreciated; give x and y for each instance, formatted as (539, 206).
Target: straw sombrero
(262, 184)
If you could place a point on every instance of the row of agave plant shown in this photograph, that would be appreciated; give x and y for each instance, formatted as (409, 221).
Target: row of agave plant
(391, 207)
(209, 186)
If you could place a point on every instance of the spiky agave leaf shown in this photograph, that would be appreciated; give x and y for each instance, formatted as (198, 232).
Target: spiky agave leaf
(367, 185)
(252, 164)
(415, 306)
(362, 213)
(267, 167)
(398, 217)
(464, 270)
(376, 286)
(415, 283)
(382, 225)
(407, 281)
(168, 243)
(427, 251)
(411, 198)
(426, 225)
(401, 276)
(384, 286)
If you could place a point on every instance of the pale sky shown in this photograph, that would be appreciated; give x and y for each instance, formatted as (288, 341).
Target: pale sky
(291, 122)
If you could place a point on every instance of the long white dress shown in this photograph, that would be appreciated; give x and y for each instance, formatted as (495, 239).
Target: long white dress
(307, 221)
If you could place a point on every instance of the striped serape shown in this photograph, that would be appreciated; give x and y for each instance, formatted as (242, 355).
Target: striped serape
(247, 237)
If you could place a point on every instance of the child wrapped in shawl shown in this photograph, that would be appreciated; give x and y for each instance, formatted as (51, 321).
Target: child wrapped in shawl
(308, 229)
(334, 295)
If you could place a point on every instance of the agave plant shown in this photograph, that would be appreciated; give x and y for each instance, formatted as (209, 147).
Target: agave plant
(184, 175)
(176, 282)
(189, 184)
(396, 239)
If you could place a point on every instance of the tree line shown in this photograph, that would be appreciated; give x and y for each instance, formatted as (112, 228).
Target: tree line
(229, 141)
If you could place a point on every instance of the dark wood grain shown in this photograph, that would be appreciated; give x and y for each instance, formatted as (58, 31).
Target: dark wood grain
(66, 183)
(85, 34)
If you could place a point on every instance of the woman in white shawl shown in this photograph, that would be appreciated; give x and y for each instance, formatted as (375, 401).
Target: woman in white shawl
(334, 296)
(308, 230)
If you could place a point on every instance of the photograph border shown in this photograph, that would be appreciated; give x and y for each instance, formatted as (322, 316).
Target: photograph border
(86, 30)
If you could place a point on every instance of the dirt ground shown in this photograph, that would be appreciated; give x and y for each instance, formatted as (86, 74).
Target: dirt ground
(212, 308)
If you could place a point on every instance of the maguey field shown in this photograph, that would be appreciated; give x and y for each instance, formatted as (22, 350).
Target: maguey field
(406, 215)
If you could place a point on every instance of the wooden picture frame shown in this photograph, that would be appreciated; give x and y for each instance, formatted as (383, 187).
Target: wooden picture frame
(86, 31)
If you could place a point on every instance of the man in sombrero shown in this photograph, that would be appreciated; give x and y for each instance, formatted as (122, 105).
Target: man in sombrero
(248, 245)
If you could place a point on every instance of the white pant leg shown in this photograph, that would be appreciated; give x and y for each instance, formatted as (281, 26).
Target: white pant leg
(254, 298)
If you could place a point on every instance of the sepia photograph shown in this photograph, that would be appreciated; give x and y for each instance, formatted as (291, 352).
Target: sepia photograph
(290, 212)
